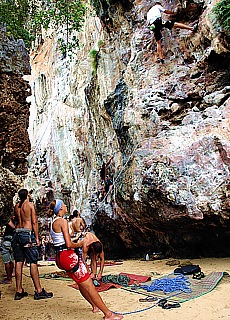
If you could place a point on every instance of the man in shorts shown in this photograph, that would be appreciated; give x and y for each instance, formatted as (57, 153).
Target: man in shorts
(156, 24)
(25, 246)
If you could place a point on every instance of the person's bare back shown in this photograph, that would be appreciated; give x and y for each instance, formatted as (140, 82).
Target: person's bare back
(24, 214)
(26, 217)
(78, 225)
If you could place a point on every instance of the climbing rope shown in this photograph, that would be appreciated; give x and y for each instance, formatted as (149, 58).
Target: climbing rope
(168, 285)
(150, 307)
(123, 168)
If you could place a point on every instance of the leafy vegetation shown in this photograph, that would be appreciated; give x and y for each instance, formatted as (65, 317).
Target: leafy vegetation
(25, 19)
(94, 59)
(222, 12)
(13, 17)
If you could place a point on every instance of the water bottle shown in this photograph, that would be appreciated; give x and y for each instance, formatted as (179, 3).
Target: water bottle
(147, 257)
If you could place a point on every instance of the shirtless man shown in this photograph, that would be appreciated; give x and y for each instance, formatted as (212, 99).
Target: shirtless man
(25, 246)
(94, 249)
(78, 223)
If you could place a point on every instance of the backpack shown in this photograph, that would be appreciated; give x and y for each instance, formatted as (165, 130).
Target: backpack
(190, 269)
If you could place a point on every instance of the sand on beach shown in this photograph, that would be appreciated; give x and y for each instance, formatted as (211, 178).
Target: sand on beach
(68, 304)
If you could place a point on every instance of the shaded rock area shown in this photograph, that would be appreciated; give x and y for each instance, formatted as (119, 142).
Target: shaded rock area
(141, 149)
(14, 120)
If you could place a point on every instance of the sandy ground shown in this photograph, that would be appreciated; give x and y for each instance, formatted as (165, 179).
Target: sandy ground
(68, 304)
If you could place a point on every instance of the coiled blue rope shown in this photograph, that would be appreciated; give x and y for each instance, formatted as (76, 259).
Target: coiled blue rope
(168, 285)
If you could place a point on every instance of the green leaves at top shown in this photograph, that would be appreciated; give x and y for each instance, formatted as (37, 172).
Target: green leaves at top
(222, 11)
(25, 19)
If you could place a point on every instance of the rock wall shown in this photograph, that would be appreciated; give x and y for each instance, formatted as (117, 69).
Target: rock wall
(164, 129)
(14, 120)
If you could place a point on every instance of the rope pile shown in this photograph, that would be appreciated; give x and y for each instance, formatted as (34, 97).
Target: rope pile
(167, 285)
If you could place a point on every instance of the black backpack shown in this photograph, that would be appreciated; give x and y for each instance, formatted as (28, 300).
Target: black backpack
(190, 269)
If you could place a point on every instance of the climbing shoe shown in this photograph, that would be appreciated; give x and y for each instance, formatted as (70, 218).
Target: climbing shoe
(42, 295)
(161, 302)
(148, 299)
(20, 295)
(195, 27)
(170, 305)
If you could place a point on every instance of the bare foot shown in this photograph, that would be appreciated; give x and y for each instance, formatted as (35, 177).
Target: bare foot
(114, 316)
(95, 309)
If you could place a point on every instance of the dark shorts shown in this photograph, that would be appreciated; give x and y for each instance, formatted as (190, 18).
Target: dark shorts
(159, 25)
(24, 245)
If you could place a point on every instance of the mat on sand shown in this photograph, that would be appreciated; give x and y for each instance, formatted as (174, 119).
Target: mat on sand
(198, 288)
(61, 275)
(134, 279)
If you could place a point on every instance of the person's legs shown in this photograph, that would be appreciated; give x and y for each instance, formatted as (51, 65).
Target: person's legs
(182, 26)
(159, 49)
(7, 257)
(93, 264)
(18, 276)
(40, 292)
(9, 270)
(90, 293)
(35, 277)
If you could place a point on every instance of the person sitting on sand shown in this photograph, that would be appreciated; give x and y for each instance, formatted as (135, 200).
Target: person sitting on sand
(71, 261)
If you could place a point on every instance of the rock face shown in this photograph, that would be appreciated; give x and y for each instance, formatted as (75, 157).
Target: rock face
(14, 120)
(164, 129)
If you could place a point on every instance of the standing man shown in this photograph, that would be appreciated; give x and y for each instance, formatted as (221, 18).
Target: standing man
(78, 223)
(156, 24)
(92, 247)
(25, 245)
(7, 251)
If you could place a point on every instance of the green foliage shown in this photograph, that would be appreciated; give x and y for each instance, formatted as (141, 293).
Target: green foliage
(222, 12)
(100, 43)
(94, 59)
(13, 16)
(97, 6)
(25, 19)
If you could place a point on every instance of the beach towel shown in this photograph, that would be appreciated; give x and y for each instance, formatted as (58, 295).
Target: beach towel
(133, 279)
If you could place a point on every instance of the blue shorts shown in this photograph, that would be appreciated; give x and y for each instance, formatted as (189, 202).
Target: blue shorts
(24, 245)
(7, 251)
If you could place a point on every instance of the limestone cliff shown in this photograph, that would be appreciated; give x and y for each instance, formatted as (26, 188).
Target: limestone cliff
(14, 120)
(166, 126)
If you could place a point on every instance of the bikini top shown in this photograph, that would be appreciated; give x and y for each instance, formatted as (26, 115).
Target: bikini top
(57, 237)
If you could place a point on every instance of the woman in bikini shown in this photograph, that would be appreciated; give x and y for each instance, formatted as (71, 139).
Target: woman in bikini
(69, 259)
